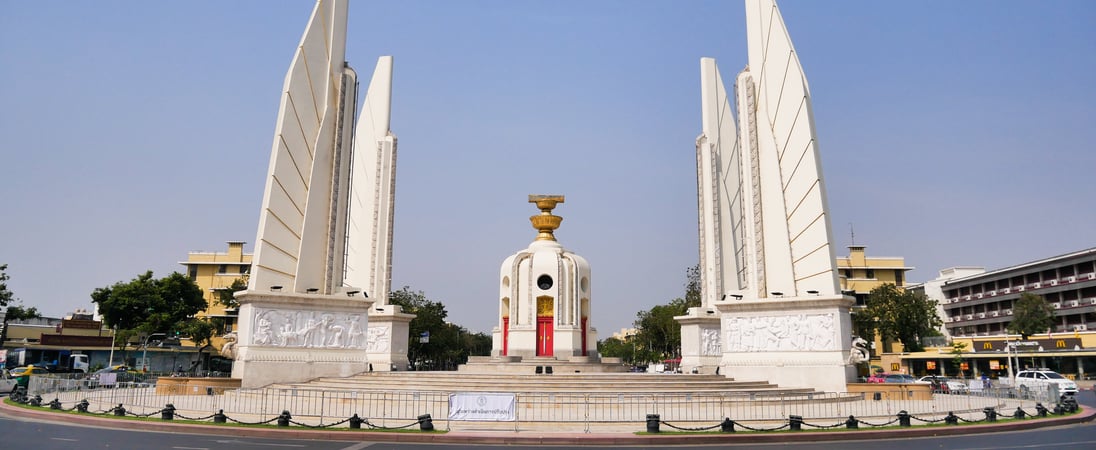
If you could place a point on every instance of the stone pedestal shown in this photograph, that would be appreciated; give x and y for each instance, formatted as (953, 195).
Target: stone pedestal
(388, 338)
(291, 337)
(701, 346)
(790, 341)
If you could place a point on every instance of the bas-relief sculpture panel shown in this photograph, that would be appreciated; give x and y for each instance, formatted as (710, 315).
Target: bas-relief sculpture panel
(377, 339)
(307, 329)
(801, 332)
(710, 344)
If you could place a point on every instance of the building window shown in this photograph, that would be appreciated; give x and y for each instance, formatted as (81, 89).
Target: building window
(848, 273)
(898, 278)
(871, 274)
(193, 272)
(222, 268)
(245, 269)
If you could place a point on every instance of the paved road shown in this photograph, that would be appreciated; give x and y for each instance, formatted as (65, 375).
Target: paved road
(19, 433)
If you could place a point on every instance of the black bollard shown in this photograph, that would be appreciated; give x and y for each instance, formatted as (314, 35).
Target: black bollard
(219, 417)
(356, 422)
(903, 418)
(1058, 410)
(119, 410)
(1071, 404)
(991, 414)
(652, 422)
(36, 401)
(1019, 413)
(55, 404)
(852, 423)
(795, 423)
(283, 418)
(168, 413)
(951, 419)
(1041, 410)
(727, 426)
(426, 423)
(83, 406)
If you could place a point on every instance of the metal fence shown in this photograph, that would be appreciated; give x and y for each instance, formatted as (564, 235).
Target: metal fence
(565, 410)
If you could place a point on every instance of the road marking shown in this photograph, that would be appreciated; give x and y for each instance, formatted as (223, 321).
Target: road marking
(237, 441)
(65, 439)
(191, 448)
(358, 446)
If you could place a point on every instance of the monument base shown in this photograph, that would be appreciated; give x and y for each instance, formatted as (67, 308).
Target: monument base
(388, 338)
(790, 341)
(701, 349)
(290, 338)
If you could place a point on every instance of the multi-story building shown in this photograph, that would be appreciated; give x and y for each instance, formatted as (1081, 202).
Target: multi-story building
(216, 271)
(859, 273)
(976, 307)
(981, 305)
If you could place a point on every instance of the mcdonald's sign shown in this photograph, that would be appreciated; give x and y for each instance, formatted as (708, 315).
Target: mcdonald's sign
(987, 345)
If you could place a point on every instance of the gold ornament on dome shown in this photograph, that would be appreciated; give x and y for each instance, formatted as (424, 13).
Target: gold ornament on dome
(546, 222)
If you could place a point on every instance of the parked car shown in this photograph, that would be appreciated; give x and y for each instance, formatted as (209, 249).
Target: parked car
(946, 385)
(120, 374)
(1030, 380)
(901, 378)
(28, 370)
(877, 377)
(7, 382)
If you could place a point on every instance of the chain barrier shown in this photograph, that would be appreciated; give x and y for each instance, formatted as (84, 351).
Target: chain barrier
(892, 422)
(372, 425)
(251, 423)
(927, 420)
(839, 424)
(691, 429)
(1066, 406)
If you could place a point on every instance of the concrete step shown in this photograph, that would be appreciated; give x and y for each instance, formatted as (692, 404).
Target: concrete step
(587, 382)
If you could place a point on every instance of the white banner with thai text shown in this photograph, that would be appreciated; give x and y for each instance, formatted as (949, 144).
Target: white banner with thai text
(482, 407)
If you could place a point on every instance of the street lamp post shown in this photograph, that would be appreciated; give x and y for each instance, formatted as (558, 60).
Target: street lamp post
(113, 337)
(144, 354)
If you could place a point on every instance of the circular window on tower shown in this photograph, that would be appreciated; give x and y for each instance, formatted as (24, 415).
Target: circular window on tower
(544, 282)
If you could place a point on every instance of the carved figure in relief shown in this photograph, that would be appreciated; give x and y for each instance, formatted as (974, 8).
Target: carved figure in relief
(355, 333)
(859, 352)
(263, 335)
(377, 339)
(710, 342)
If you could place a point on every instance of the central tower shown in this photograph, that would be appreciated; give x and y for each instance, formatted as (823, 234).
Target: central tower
(544, 296)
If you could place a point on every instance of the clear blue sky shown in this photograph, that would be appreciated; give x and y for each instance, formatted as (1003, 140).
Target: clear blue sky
(132, 132)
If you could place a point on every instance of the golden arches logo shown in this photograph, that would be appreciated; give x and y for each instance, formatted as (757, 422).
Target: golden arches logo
(987, 346)
(1060, 343)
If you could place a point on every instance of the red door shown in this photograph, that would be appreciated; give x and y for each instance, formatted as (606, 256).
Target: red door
(505, 335)
(544, 336)
(583, 336)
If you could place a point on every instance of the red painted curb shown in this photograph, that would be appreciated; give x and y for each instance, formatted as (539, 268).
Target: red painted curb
(537, 438)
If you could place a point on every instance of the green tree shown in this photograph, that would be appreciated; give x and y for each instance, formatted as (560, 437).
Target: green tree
(902, 316)
(428, 333)
(658, 335)
(957, 349)
(148, 305)
(226, 296)
(13, 309)
(6, 295)
(618, 348)
(1030, 315)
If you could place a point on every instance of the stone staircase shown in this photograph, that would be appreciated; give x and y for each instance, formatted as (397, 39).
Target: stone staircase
(554, 383)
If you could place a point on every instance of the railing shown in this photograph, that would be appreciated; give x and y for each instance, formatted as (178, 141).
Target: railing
(566, 410)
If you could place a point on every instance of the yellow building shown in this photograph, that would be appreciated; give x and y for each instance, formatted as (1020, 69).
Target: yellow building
(214, 271)
(859, 273)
